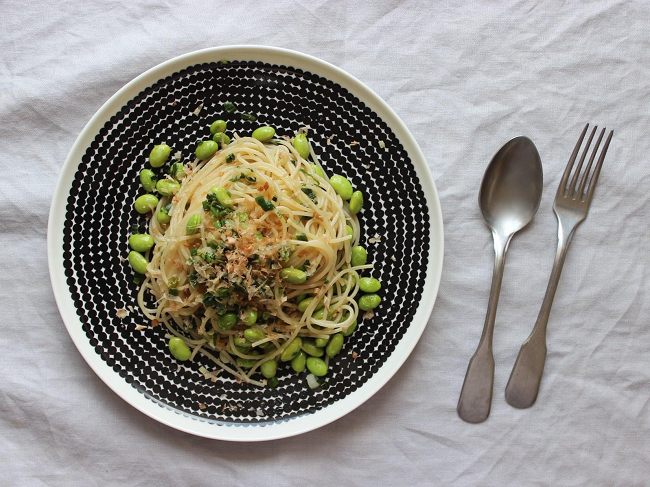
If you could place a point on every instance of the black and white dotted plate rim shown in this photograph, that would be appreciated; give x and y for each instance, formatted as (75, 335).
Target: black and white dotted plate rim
(159, 411)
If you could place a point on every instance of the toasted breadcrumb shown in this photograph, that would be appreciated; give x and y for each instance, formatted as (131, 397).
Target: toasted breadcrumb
(353, 143)
(393, 258)
(354, 355)
(202, 406)
(198, 109)
(368, 314)
(121, 313)
(382, 144)
(140, 327)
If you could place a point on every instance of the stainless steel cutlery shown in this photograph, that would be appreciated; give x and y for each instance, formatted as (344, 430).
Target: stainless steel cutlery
(509, 197)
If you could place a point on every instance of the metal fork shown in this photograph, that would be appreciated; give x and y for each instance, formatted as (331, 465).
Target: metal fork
(571, 206)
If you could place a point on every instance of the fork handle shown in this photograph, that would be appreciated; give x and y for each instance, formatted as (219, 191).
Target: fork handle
(526, 375)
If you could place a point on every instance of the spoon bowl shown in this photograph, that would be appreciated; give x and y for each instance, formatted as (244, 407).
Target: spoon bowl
(509, 198)
(512, 187)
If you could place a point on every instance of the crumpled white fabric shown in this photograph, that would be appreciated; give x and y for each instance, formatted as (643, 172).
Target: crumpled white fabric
(465, 78)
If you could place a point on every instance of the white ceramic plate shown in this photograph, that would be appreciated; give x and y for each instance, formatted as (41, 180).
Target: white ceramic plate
(89, 286)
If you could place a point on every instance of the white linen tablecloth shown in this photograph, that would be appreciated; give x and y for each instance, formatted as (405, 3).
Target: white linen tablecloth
(465, 77)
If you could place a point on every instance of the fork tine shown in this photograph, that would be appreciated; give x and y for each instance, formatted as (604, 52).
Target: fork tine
(576, 173)
(594, 178)
(583, 182)
(567, 172)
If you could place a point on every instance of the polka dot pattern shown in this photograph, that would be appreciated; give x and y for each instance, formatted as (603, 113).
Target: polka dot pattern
(349, 139)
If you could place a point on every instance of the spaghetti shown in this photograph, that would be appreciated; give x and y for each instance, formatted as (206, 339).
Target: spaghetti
(255, 255)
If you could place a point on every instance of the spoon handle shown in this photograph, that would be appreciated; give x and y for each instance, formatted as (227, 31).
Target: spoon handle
(476, 395)
(526, 375)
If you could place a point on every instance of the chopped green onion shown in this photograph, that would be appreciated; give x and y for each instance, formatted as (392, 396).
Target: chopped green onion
(265, 205)
(309, 192)
(229, 107)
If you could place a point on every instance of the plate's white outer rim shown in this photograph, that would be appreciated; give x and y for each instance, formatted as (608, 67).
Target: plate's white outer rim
(166, 415)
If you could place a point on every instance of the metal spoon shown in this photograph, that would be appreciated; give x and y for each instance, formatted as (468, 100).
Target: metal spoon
(509, 198)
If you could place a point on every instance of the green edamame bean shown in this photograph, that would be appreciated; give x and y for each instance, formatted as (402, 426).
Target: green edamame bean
(227, 321)
(359, 256)
(269, 368)
(241, 345)
(138, 262)
(179, 349)
(299, 361)
(316, 366)
(145, 203)
(193, 224)
(249, 316)
(356, 202)
(222, 139)
(223, 196)
(318, 170)
(300, 298)
(334, 346)
(310, 348)
(292, 350)
(320, 314)
(247, 363)
(301, 145)
(304, 304)
(342, 186)
(351, 328)
(141, 242)
(167, 188)
(321, 342)
(293, 276)
(218, 126)
(163, 214)
(350, 230)
(159, 155)
(254, 334)
(263, 133)
(177, 171)
(369, 301)
(369, 284)
(206, 149)
(148, 180)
